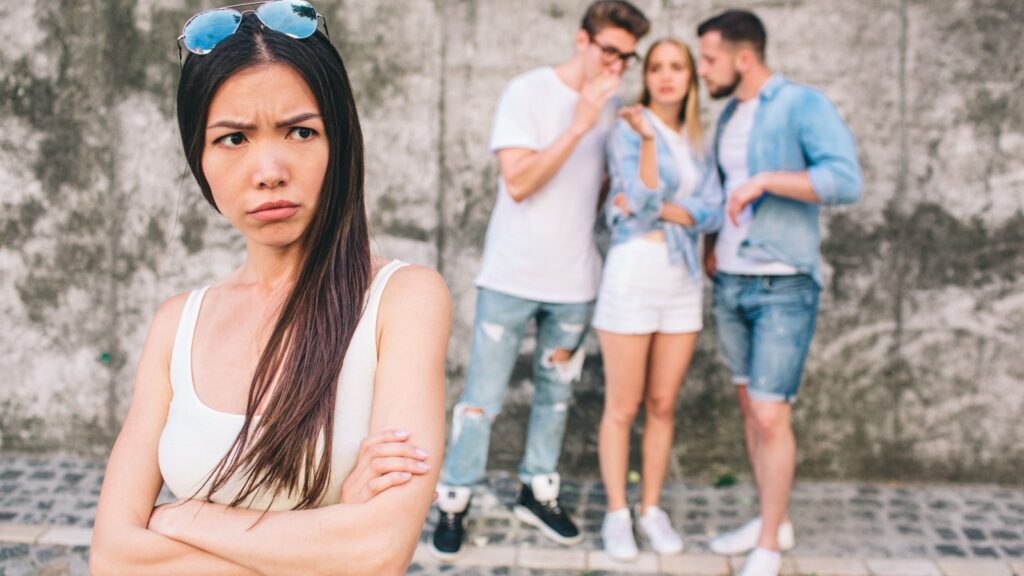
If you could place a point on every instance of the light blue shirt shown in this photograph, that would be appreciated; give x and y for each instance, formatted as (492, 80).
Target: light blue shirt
(704, 204)
(796, 129)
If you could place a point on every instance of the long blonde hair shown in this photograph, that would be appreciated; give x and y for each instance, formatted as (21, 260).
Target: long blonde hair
(689, 112)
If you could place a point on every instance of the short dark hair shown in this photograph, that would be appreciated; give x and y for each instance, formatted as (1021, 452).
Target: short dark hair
(615, 14)
(738, 26)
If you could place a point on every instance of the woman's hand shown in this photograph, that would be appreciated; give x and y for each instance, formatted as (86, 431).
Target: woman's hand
(386, 459)
(620, 202)
(634, 115)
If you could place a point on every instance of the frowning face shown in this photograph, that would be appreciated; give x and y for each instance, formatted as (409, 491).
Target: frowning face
(265, 154)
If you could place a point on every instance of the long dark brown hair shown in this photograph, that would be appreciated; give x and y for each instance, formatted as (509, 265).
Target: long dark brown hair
(689, 112)
(288, 449)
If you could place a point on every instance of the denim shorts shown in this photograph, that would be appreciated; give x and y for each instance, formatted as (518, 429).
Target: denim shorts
(765, 325)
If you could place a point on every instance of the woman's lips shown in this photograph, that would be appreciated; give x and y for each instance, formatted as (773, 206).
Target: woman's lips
(277, 210)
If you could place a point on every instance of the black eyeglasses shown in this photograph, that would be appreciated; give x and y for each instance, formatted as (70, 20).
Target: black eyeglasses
(295, 18)
(610, 53)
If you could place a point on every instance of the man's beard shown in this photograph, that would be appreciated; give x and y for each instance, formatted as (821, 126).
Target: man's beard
(727, 90)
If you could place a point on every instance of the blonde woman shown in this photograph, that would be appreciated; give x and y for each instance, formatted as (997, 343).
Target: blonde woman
(649, 309)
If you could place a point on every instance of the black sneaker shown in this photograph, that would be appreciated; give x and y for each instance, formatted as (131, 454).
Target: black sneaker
(449, 533)
(546, 514)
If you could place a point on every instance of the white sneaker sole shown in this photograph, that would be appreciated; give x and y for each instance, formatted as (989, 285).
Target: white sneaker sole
(622, 558)
(673, 552)
(447, 557)
(524, 515)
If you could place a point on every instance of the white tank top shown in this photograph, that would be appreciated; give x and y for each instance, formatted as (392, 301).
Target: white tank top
(196, 437)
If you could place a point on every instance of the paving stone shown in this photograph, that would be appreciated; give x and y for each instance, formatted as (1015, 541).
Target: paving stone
(1013, 551)
(20, 533)
(951, 567)
(63, 536)
(552, 558)
(985, 551)
(974, 534)
(491, 556)
(904, 517)
(831, 566)
(645, 563)
(947, 550)
(892, 567)
(695, 565)
(910, 530)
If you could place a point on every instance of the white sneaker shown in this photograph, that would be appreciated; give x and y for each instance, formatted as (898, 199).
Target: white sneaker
(617, 535)
(658, 530)
(744, 538)
(762, 562)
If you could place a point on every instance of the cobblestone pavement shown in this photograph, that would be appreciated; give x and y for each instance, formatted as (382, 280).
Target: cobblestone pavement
(47, 508)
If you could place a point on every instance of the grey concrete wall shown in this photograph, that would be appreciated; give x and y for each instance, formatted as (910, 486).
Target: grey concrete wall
(915, 371)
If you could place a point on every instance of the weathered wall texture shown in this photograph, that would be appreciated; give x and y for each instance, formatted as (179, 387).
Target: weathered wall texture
(915, 372)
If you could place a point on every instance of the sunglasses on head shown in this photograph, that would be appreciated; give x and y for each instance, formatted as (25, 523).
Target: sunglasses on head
(295, 18)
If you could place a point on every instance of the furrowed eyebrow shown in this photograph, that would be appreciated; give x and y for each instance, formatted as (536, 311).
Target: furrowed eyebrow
(297, 119)
(235, 125)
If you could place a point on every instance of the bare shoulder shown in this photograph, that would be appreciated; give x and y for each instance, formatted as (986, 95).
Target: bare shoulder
(415, 296)
(166, 319)
(411, 279)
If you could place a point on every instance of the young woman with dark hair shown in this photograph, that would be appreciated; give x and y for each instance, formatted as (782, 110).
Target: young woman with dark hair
(296, 407)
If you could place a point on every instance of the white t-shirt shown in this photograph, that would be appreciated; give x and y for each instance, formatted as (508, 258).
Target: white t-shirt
(543, 247)
(679, 144)
(732, 157)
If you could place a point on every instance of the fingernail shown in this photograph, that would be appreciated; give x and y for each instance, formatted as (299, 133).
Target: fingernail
(404, 475)
(423, 466)
(421, 452)
(401, 432)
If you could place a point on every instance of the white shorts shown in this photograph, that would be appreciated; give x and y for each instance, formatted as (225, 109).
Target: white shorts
(643, 293)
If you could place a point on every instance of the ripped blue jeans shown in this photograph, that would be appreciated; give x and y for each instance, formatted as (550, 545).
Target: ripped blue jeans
(498, 330)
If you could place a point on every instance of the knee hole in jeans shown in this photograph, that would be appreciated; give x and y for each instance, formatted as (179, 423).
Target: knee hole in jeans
(465, 411)
(568, 364)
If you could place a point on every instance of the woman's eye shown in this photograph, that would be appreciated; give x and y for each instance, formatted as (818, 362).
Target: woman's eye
(302, 133)
(232, 140)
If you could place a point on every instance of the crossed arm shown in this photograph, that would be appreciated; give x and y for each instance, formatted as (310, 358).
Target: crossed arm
(377, 536)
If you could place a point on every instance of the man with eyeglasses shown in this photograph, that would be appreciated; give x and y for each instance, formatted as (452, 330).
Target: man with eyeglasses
(540, 263)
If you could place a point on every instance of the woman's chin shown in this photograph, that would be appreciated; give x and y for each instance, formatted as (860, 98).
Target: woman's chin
(668, 100)
(274, 239)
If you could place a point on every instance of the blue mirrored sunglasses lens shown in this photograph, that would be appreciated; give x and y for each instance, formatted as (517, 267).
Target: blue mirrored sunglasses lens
(292, 17)
(208, 29)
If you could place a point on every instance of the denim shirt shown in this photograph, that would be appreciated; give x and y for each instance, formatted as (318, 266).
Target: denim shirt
(796, 128)
(704, 205)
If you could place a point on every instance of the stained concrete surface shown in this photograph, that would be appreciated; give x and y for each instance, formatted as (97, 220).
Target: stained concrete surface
(914, 372)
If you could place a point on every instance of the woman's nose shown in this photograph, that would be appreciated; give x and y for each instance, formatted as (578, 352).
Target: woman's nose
(271, 170)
